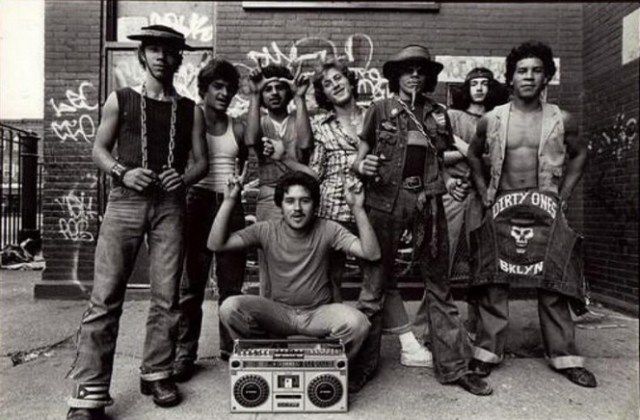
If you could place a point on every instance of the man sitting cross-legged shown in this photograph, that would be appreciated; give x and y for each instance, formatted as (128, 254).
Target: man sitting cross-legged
(297, 248)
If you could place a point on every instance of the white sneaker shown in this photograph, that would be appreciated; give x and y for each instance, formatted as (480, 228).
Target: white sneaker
(419, 357)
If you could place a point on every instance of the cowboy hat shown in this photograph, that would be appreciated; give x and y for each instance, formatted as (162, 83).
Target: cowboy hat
(162, 34)
(415, 53)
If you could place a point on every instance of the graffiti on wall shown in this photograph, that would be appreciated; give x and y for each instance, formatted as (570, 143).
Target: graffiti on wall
(71, 120)
(127, 71)
(79, 212)
(615, 141)
(306, 53)
(194, 26)
(456, 67)
(609, 151)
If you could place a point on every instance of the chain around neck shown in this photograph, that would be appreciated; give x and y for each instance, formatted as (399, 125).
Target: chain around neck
(143, 128)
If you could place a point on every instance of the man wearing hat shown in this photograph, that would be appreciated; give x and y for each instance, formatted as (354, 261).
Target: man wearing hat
(282, 140)
(479, 93)
(154, 129)
(401, 156)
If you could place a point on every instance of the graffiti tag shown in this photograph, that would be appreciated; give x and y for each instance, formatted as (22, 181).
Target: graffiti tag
(72, 124)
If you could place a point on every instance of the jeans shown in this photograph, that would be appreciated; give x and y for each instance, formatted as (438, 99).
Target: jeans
(259, 317)
(450, 345)
(556, 325)
(129, 216)
(202, 206)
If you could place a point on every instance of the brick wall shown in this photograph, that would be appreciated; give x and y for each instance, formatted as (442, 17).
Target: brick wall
(370, 37)
(611, 181)
(72, 82)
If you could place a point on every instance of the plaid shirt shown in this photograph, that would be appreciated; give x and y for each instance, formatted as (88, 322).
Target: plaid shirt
(334, 152)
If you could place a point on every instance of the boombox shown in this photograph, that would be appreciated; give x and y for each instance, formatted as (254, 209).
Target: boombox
(288, 376)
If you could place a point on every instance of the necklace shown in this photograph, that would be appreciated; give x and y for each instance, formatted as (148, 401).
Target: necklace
(281, 127)
(143, 128)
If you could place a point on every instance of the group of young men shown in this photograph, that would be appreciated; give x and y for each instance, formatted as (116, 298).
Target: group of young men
(346, 181)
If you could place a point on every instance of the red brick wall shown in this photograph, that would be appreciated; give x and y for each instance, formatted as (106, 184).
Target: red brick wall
(611, 181)
(72, 82)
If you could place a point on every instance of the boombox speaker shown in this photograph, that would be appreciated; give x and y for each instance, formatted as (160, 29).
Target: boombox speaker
(302, 375)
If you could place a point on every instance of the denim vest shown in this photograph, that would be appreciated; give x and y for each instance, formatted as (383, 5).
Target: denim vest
(551, 151)
(391, 141)
(561, 260)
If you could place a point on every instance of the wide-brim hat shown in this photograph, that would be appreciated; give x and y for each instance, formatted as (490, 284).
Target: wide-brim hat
(161, 34)
(413, 53)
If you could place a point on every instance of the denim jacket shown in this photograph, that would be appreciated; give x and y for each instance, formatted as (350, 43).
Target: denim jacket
(551, 151)
(560, 259)
(385, 130)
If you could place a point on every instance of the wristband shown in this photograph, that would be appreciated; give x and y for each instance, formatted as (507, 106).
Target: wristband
(361, 167)
(118, 171)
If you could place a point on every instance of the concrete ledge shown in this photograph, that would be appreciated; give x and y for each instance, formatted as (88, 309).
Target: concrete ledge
(626, 307)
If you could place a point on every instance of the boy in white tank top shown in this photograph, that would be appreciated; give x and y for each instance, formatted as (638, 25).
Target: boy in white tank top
(217, 84)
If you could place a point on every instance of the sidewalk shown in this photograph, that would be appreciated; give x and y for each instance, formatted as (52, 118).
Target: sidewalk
(38, 335)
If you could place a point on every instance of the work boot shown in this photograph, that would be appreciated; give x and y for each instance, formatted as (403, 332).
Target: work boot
(580, 376)
(474, 384)
(165, 392)
(85, 413)
(480, 368)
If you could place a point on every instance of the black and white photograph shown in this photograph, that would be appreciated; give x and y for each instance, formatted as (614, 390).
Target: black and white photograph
(319, 210)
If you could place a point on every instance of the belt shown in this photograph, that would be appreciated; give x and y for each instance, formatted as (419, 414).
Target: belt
(412, 183)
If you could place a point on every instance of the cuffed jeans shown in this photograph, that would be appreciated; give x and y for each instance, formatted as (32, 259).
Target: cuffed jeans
(259, 317)
(129, 216)
(450, 344)
(202, 206)
(556, 325)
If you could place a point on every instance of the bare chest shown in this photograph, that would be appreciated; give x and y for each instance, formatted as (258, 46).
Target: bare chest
(524, 131)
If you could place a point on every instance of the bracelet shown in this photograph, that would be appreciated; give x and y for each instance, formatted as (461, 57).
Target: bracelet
(118, 171)
(361, 167)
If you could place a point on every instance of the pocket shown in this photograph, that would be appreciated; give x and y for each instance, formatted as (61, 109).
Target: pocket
(388, 137)
(120, 193)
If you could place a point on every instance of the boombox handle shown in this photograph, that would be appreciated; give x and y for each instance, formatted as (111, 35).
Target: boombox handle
(240, 343)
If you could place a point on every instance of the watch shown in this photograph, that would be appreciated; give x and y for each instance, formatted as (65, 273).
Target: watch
(118, 170)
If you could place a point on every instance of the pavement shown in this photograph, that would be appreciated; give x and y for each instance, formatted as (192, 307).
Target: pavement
(37, 349)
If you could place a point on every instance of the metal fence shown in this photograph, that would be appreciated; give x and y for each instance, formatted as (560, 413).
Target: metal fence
(21, 181)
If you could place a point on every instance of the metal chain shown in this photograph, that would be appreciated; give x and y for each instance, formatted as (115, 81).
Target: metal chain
(416, 122)
(143, 129)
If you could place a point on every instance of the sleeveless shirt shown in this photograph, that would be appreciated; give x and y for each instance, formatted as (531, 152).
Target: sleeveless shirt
(129, 148)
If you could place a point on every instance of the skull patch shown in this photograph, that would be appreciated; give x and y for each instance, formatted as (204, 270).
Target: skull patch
(522, 236)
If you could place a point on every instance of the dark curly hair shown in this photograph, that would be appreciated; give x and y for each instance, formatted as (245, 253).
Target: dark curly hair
(290, 179)
(396, 72)
(279, 71)
(531, 49)
(498, 94)
(215, 69)
(340, 65)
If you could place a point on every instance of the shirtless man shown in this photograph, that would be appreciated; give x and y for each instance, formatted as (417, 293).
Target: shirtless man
(539, 138)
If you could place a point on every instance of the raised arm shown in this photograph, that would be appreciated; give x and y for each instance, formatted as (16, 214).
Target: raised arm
(474, 157)
(366, 246)
(302, 123)
(253, 132)
(219, 239)
(577, 152)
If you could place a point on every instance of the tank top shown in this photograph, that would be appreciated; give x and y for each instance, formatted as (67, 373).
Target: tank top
(129, 148)
(223, 151)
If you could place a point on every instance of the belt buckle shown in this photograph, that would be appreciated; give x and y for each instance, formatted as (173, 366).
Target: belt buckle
(412, 183)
